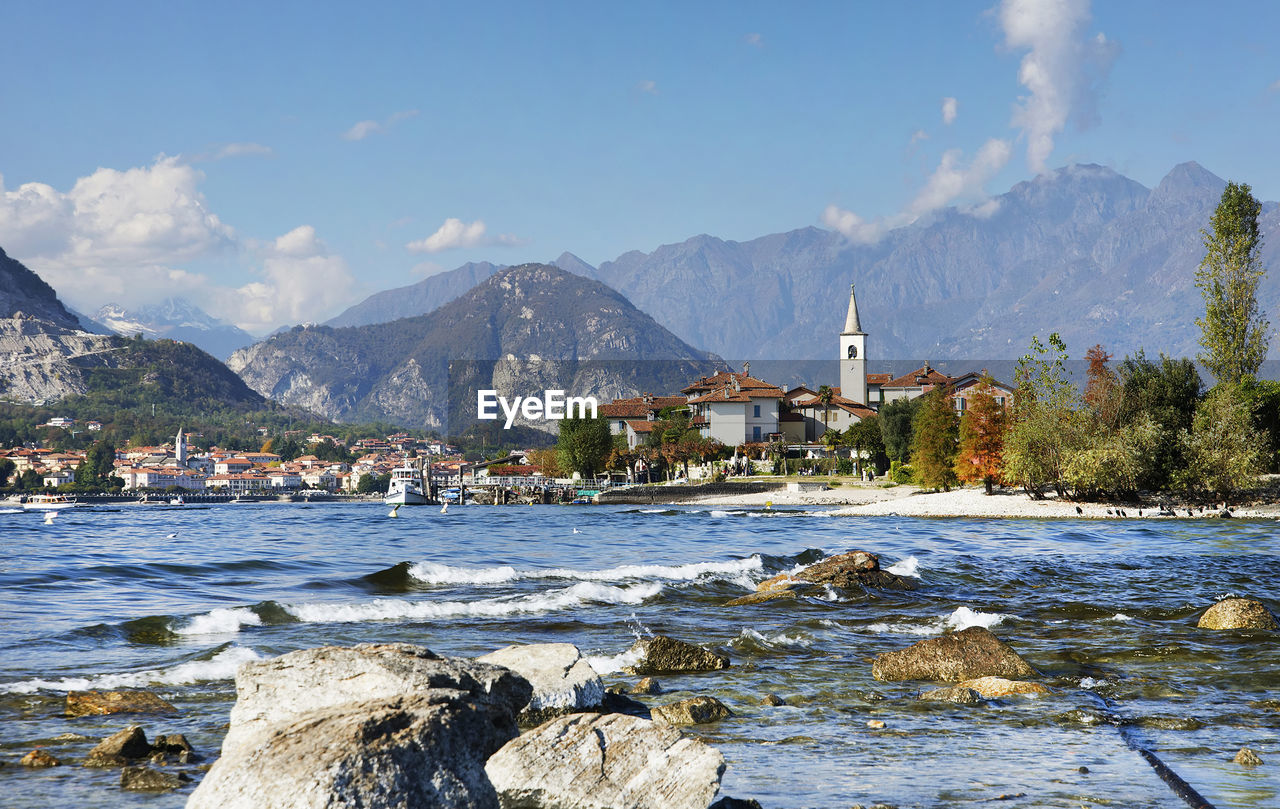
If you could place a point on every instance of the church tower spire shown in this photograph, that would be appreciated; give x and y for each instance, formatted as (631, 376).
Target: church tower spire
(853, 355)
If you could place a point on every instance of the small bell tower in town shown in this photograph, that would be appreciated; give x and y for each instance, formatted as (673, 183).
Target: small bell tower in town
(853, 355)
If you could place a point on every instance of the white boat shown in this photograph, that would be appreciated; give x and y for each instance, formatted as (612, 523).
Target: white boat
(407, 488)
(47, 502)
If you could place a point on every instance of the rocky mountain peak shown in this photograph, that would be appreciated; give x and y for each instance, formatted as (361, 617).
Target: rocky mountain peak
(21, 290)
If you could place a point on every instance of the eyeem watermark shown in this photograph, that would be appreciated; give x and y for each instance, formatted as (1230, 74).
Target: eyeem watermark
(552, 405)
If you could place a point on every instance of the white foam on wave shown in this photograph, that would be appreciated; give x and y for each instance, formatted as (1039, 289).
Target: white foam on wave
(608, 664)
(733, 570)
(396, 609)
(795, 641)
(10, 511)
(221, 666)
(960, 618)
(909, 567)
(1119, 617)
(653, 511)
(435, 573)
(222, 621)
(718, 513)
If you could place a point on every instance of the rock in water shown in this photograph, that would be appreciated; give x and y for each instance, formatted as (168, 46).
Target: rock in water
(1247, 758)
(281, 689)
(647, 685)
(412, 752)
(994, 687)
(119, 748)
(102, 703)
(693, 711)
(38, 759)
(762, 597)
(563, 681)
(963, 655)
(663, 655)
(956, 694)
(593, 761)
(854, 569)
(1238, 613)
(145, 779)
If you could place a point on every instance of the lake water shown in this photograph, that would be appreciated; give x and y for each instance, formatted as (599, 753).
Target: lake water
(174, 598)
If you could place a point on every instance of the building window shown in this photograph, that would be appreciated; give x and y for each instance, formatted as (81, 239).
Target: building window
(960, 403)
(1000, 401)
(755, 434)
(757, 411)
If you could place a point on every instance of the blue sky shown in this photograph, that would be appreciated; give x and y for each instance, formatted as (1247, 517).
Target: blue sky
(277, 162)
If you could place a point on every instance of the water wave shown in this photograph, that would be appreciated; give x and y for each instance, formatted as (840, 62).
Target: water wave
(221, 666)
(609, 664)
(751, 638)
(222, 621)
(580, 594)
(960, 618)
(909, 567)
(436, 573)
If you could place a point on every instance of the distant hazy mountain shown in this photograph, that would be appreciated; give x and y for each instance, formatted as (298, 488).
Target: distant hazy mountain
(435, 291)
(1083, 251)
(49, 356)
(525, 329)
(176, 319)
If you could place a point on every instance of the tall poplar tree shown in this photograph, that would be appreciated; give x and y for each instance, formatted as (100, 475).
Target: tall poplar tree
(935, 433)
(1233, 332)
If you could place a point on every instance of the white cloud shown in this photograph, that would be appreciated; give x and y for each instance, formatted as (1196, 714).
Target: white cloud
(918, 136)
(648, 86)
(229, 150)
(755, 40)
(364, 129)
(949, 109)
(455, 233)
(950, 181)
(1062, 70)
(301, 280)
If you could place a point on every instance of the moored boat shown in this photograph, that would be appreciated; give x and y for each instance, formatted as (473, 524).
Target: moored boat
(407, 487)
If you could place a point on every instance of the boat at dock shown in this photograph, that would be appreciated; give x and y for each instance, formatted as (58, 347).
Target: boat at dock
(407, 487)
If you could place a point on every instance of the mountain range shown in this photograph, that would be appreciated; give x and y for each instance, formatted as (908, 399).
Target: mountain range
(1083, 251)
(523, 330)
(175, 319)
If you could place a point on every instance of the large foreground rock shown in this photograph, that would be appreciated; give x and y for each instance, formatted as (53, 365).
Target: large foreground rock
(269, 692)
(593, 761)
(854, 569)
(563, 681)
(663, 655)
(1238, 613)
(412, 752)
(964, 655)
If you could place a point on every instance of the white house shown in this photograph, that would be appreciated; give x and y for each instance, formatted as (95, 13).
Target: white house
(734, 408)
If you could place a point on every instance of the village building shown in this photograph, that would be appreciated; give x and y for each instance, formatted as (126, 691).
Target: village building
(735, 408)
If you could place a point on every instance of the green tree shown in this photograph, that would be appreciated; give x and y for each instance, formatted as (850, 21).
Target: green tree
(1233, 332)
(1263, 398)
(1224, 450)
(895, 428)
(935, 433)
(825, 395)
(6, 469)
(1167, 392)
(98, 465)
(866, 437)
(982, 426)
(1045, 424)
(584, 444)
(1113, 463)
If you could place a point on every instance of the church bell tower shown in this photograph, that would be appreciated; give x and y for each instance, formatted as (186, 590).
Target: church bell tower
(853, 355)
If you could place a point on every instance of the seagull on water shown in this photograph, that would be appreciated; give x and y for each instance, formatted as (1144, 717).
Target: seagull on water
(48, 517)
(394, 509)
(171, 536)
(576, 531)
(444, 509)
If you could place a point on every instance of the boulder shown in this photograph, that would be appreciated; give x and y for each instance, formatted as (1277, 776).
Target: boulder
(102, 703)
(994, 687)
(1238, 613)
(955, 657)
(692, 711)
(736, 803)
(145, 779)
(563, 681)
(663, 655)
(854, 569)
(175, 745)
(411, 752)
(783, 582)
(119, 748)
(1247, 758)
(647, 685)
(593, 761)
(621, 703)
(38, 759)
(272, 691)
(762, 598)
(955, 693)
(772, 700)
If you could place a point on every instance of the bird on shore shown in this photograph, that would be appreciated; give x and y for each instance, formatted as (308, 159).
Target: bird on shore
(1079, 510)
(1139, 512)
(1109, 514)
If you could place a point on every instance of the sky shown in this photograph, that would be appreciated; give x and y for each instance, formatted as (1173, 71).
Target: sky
(277, 162)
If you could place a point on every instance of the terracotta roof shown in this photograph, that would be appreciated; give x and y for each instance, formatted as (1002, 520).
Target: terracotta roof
(878, 379)
(920, 376)
(731, 395)
(797, 392)
(727, 379)
(642, 426)
(639, 406)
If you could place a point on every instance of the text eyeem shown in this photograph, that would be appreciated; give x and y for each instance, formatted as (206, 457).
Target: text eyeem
(553, 404)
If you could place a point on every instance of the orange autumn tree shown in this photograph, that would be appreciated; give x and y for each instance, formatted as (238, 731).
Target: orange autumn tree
(982, 429)
(1103, 391)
